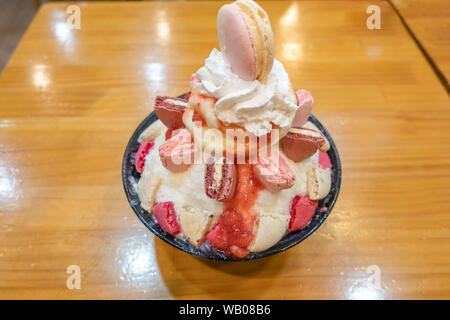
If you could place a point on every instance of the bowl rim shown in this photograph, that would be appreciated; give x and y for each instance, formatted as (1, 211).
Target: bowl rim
(180, 244)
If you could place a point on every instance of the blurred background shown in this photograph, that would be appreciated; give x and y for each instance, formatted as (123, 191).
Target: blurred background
(427, 21)
(15, 16)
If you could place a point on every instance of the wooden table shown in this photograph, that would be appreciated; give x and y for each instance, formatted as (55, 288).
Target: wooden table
(70, 99)
(429, 20)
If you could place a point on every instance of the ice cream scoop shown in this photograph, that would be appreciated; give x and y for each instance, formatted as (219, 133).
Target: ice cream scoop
(246, 39)
(147, 188)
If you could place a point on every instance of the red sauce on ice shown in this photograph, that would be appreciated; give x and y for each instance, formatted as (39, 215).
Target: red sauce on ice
(246, 192)
(233, 232)
(198, 117)
(195, 99)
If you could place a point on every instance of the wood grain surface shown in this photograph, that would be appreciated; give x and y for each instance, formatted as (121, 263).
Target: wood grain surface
(70, 99)
(429, 20)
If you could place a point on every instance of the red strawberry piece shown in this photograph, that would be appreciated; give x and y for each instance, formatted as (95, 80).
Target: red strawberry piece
(243, 238)
(302, 211)
(324, 160)
(217, 237)
(142, 152)
(231, 234)
(165, 215)
(230, 217)
(239, 252)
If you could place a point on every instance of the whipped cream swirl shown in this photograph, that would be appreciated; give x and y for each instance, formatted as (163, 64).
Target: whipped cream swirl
(252, 105)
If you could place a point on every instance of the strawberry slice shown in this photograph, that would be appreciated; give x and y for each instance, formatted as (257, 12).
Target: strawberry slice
(217, 237)
(142, 152)
(231, 234)
(165, 215)
(239, 252)
(302, 211)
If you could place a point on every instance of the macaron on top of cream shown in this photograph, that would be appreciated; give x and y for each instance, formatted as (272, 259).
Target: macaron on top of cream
(246, 39)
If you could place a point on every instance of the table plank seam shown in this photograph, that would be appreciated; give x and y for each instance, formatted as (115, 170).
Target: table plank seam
(422, 49)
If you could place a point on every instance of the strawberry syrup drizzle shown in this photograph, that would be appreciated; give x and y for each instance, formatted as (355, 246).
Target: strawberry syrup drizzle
(233, 233)
(237, 221)
(198, 117)
(196, 99)
(246, 193)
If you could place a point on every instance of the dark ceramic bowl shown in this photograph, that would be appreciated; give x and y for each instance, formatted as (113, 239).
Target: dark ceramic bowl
(130, 176)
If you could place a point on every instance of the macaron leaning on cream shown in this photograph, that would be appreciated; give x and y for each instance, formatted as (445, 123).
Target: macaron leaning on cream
(246, 39)
(247, 43)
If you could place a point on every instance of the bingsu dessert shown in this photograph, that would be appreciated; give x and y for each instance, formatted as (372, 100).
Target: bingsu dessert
(236, 163)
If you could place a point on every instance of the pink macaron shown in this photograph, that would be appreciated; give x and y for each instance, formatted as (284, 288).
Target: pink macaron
(246, 39)
(302, 211)
(177, 153)
(305, 103)
(237, 43)
(166, 216)
(274, 172)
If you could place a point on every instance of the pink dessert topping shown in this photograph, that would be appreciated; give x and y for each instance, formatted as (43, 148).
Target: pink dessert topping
(274, 172)
(165, 215)
(177, 153)
(142, 152)
(302, 211)
(324, 160)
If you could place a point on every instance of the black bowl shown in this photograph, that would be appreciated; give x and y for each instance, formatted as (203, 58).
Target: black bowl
(131, 176)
